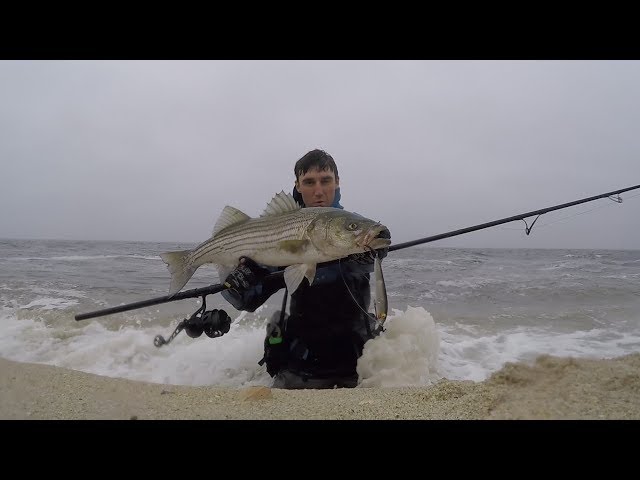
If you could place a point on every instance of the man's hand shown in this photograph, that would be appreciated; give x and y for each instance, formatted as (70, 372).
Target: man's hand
(250, 284)
(364, 258)
(246, 275)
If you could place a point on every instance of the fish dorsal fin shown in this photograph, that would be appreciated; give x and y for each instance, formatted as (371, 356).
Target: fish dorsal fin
(281, 203)
(229, 216)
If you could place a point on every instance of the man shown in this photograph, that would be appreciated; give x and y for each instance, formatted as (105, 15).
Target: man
(319, 343)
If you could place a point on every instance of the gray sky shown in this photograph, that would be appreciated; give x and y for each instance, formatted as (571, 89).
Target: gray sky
(153, 150)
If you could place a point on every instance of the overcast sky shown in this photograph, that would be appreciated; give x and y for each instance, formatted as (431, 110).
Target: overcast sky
(153, 150)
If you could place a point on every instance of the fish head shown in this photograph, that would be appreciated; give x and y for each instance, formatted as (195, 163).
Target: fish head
(340, 233)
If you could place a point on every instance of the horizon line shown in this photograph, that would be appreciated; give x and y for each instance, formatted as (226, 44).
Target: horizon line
(420, 246)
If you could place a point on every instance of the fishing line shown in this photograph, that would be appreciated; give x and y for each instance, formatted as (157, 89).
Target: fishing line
(348, 290)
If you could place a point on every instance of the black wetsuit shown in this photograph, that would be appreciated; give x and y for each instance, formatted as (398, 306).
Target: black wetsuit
(325, 332)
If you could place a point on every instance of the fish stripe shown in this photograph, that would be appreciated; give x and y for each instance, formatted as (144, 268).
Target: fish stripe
(264, 231)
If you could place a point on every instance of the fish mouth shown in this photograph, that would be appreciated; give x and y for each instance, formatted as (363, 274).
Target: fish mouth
(377, 243)
(372, 238)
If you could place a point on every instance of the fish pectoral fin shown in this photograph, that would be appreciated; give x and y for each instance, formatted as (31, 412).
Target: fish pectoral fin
(293, 246)
(310, 273)
(294, 274)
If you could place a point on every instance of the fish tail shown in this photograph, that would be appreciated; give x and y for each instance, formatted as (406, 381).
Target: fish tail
(180, 268)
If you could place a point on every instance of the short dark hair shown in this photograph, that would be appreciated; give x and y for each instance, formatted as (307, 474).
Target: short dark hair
(315, 158)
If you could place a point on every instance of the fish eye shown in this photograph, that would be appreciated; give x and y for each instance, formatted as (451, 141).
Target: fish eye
(352, 226)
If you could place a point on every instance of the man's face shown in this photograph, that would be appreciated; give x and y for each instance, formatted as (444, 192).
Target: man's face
(317, 187)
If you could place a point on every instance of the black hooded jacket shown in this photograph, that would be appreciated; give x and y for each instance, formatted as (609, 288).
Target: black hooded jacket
(327, 325)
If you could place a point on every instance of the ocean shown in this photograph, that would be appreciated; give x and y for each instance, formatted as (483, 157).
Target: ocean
(455, 313)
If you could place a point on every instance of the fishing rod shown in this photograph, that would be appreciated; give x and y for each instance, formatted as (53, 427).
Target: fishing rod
(216, 321)
(522, 216)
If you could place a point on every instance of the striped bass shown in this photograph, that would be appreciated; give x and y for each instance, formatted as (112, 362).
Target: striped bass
(285, 235)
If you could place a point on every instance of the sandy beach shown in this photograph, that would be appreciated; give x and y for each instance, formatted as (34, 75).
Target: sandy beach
(549, 388)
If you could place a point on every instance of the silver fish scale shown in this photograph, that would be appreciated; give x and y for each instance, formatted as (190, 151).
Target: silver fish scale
(264, 231)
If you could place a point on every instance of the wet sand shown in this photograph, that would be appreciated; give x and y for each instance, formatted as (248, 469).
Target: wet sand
(549, 388)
